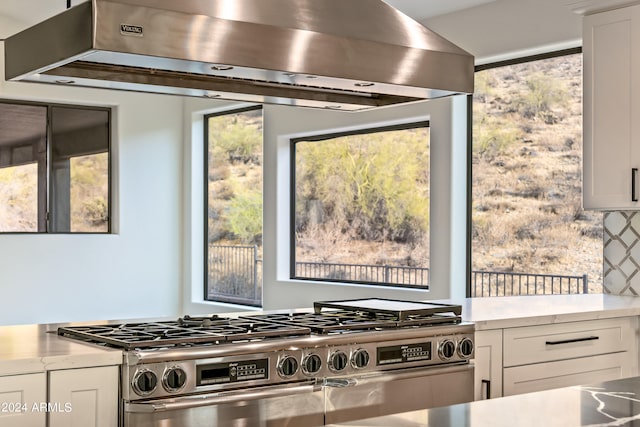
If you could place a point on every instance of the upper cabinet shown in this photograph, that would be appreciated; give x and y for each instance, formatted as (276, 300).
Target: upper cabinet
(611, 50)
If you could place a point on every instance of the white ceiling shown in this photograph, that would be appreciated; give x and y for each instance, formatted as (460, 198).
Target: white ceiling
(489, 29)
(421, 9)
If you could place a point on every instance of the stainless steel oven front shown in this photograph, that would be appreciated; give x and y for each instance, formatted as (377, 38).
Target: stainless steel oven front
(317, 381)
(273, 406)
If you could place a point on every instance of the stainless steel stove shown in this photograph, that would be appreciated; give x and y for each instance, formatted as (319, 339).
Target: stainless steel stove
(344, 360)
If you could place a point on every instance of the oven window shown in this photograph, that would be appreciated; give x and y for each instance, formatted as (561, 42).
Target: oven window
(54, 169)
(233, 178)
(361, 206)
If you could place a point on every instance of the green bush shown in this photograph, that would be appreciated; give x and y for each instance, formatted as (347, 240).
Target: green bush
(544, 94)
(492, 138)
(244, 216)
(374, 187)
(239, 139)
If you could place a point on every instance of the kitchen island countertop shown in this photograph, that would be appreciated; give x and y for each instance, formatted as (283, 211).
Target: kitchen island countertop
(26, 349)
(516, 311)
(37, 348)
(613, 403)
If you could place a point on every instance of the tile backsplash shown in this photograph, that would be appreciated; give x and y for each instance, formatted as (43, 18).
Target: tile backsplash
(622, 253)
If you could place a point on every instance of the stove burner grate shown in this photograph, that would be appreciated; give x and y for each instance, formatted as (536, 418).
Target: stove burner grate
(336, 321)
(182, 332)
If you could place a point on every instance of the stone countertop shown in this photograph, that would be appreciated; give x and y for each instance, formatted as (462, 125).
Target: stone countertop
(613, 403)
(37, 348)
(28, 349)
(510, 312)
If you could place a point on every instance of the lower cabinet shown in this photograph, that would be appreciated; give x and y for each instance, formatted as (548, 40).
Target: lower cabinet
(526, 359)
(21, 397)
(84, 397)
(564, 373)
(488, 364)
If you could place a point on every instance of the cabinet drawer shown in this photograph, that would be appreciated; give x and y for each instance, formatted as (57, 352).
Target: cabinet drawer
(536, 344)
(564, 373)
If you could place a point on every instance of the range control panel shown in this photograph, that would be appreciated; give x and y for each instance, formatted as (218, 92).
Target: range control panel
(404, 353)
(231, 372)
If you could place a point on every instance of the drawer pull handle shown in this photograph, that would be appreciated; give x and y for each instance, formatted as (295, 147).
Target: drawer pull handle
(634, 172)
(593, 338)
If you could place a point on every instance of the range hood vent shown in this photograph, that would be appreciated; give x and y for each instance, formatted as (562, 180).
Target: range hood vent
(336, 54)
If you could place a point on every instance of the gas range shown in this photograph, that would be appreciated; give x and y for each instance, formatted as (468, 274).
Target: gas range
(194, 356)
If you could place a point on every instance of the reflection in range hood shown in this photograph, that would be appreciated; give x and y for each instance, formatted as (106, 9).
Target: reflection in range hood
(339, 54)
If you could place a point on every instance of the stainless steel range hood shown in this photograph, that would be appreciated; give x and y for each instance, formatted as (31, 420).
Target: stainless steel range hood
(341, 54)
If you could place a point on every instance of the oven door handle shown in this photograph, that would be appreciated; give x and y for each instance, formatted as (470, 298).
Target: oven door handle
(195, 401)
(400, 374)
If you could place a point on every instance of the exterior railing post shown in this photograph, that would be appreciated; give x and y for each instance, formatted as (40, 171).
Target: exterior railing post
(585, 284)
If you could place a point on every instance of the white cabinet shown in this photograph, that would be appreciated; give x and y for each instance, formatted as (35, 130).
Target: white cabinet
(19, 396)
(488, 364)
(533, 358)
(611, 55)
(564, 354)
(84, 397)
(564, 373)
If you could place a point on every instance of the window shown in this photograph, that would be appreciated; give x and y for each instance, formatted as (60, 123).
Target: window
(361, 206)
(530, 234)
(54, 169)
(233, 249)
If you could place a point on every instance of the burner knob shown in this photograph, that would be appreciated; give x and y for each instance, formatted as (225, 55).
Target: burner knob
(174, 379)
(447, 349)
(360, 358)
(338, 361)
(311, 364)
(144, 382)
(287, 367)
(465, 348)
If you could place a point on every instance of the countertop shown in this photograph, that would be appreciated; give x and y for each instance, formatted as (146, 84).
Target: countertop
(26, 349)
(511, 312)
(613, 403)
(37, 348)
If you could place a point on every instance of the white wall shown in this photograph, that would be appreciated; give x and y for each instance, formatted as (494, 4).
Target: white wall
(135, 272)
(448, 199)
(157, 191)
(448, 193)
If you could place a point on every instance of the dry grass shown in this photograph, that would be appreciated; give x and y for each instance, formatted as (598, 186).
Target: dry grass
(527, 198)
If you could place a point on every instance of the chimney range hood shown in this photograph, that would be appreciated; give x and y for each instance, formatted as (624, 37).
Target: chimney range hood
(336, 54)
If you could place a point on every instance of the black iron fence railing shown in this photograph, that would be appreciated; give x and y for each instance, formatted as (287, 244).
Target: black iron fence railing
(496, 283)
(384, 274)
(235, 275)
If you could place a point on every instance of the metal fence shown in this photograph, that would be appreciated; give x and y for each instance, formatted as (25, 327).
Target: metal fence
(384, 274)
(494, 283)
(235, 274)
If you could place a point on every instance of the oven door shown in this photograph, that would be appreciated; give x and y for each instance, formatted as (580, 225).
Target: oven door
(274, 406)
(402, 390)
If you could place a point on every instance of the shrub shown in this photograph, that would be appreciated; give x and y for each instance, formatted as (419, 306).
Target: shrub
(373, 186)
(244, 216)
(239, 139)
(544, 93)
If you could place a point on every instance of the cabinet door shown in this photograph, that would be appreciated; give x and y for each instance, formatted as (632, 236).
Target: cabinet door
(488, 364)
(564, 373)
(611, 55)
(84, 397)
(21, 397)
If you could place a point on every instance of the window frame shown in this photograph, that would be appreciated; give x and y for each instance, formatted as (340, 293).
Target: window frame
(483, 67)
(205, 177)
(44, 195)
(319, 137)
